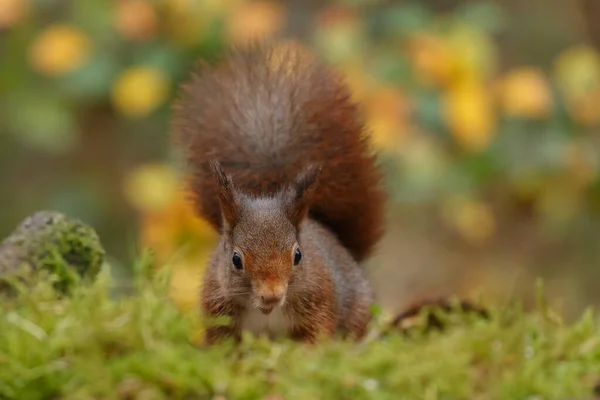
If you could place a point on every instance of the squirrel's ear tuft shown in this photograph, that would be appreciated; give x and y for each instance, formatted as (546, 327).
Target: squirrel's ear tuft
(298, 196)
(226, 194)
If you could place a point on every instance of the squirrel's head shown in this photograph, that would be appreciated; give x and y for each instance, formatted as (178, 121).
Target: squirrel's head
(262, 253)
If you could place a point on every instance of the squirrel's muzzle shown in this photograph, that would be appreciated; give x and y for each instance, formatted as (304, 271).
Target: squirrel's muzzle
(272, 297)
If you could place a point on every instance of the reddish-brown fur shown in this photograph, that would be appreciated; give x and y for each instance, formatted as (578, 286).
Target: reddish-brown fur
(305, 111)
(294, 172)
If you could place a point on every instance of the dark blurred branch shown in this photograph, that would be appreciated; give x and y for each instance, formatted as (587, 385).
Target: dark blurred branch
(590, 12)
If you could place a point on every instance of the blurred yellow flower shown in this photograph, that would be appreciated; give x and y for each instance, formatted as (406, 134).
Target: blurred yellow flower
(577, 74)
(388, 117)
(524, 92)
(136, 19)
(358, 81)
(186, 279)
(12, 11)
(173, 227)
(59, 49)
(150, 187)
(255, 20)
(577, 70)
(170, 228)
(469, 114)
(473, 219)
(139, 91)
(474, 54)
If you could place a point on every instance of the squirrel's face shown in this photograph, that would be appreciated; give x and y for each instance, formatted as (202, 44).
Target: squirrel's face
(263, 254)
(261, 248)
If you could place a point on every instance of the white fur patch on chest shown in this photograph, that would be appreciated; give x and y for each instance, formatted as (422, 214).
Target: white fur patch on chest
(274, 324)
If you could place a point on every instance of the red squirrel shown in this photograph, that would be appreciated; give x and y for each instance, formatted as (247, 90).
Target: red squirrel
(280, 164)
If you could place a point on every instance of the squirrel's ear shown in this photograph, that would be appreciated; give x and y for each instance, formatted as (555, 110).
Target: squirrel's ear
(226, 194)
(298, 196)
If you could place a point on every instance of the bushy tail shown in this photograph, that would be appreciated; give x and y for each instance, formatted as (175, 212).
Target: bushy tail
(266, 111)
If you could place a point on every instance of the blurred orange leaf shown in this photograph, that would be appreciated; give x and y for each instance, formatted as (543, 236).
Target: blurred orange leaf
(59, 49)
(584, 109)
(255, 20)
(12, 11)
(139, 91)
(524, 92)
(388, 114)
(431, 59)
(136, 19)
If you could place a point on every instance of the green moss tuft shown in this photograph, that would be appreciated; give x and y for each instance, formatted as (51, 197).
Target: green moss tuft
(50, 241)
(91, 346)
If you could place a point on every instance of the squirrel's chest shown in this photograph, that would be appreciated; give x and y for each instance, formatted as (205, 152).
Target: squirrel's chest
(274, 324)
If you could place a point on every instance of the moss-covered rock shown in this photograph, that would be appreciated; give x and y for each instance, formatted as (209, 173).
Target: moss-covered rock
(50, 241)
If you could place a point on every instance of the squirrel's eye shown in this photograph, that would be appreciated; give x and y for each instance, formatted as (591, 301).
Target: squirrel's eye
(297, 257)
(237, 260)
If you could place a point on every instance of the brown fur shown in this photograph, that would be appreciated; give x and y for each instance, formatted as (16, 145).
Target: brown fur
(267, 111)
(294, 172)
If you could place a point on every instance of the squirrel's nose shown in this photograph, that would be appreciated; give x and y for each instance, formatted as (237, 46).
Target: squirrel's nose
(271, 299)
(272, 296)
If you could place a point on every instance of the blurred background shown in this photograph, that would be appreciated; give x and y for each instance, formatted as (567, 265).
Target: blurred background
(487, 114)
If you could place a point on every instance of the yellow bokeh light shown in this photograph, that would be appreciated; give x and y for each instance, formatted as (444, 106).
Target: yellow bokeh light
(524, 92)
(469, 114)
(139, 91)
(59, 49)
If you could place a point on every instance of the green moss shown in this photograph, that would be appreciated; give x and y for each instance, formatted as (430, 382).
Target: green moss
(53, 242)
(91, 346)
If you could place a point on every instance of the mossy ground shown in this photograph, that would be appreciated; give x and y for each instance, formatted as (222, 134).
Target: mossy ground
(92, 345)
